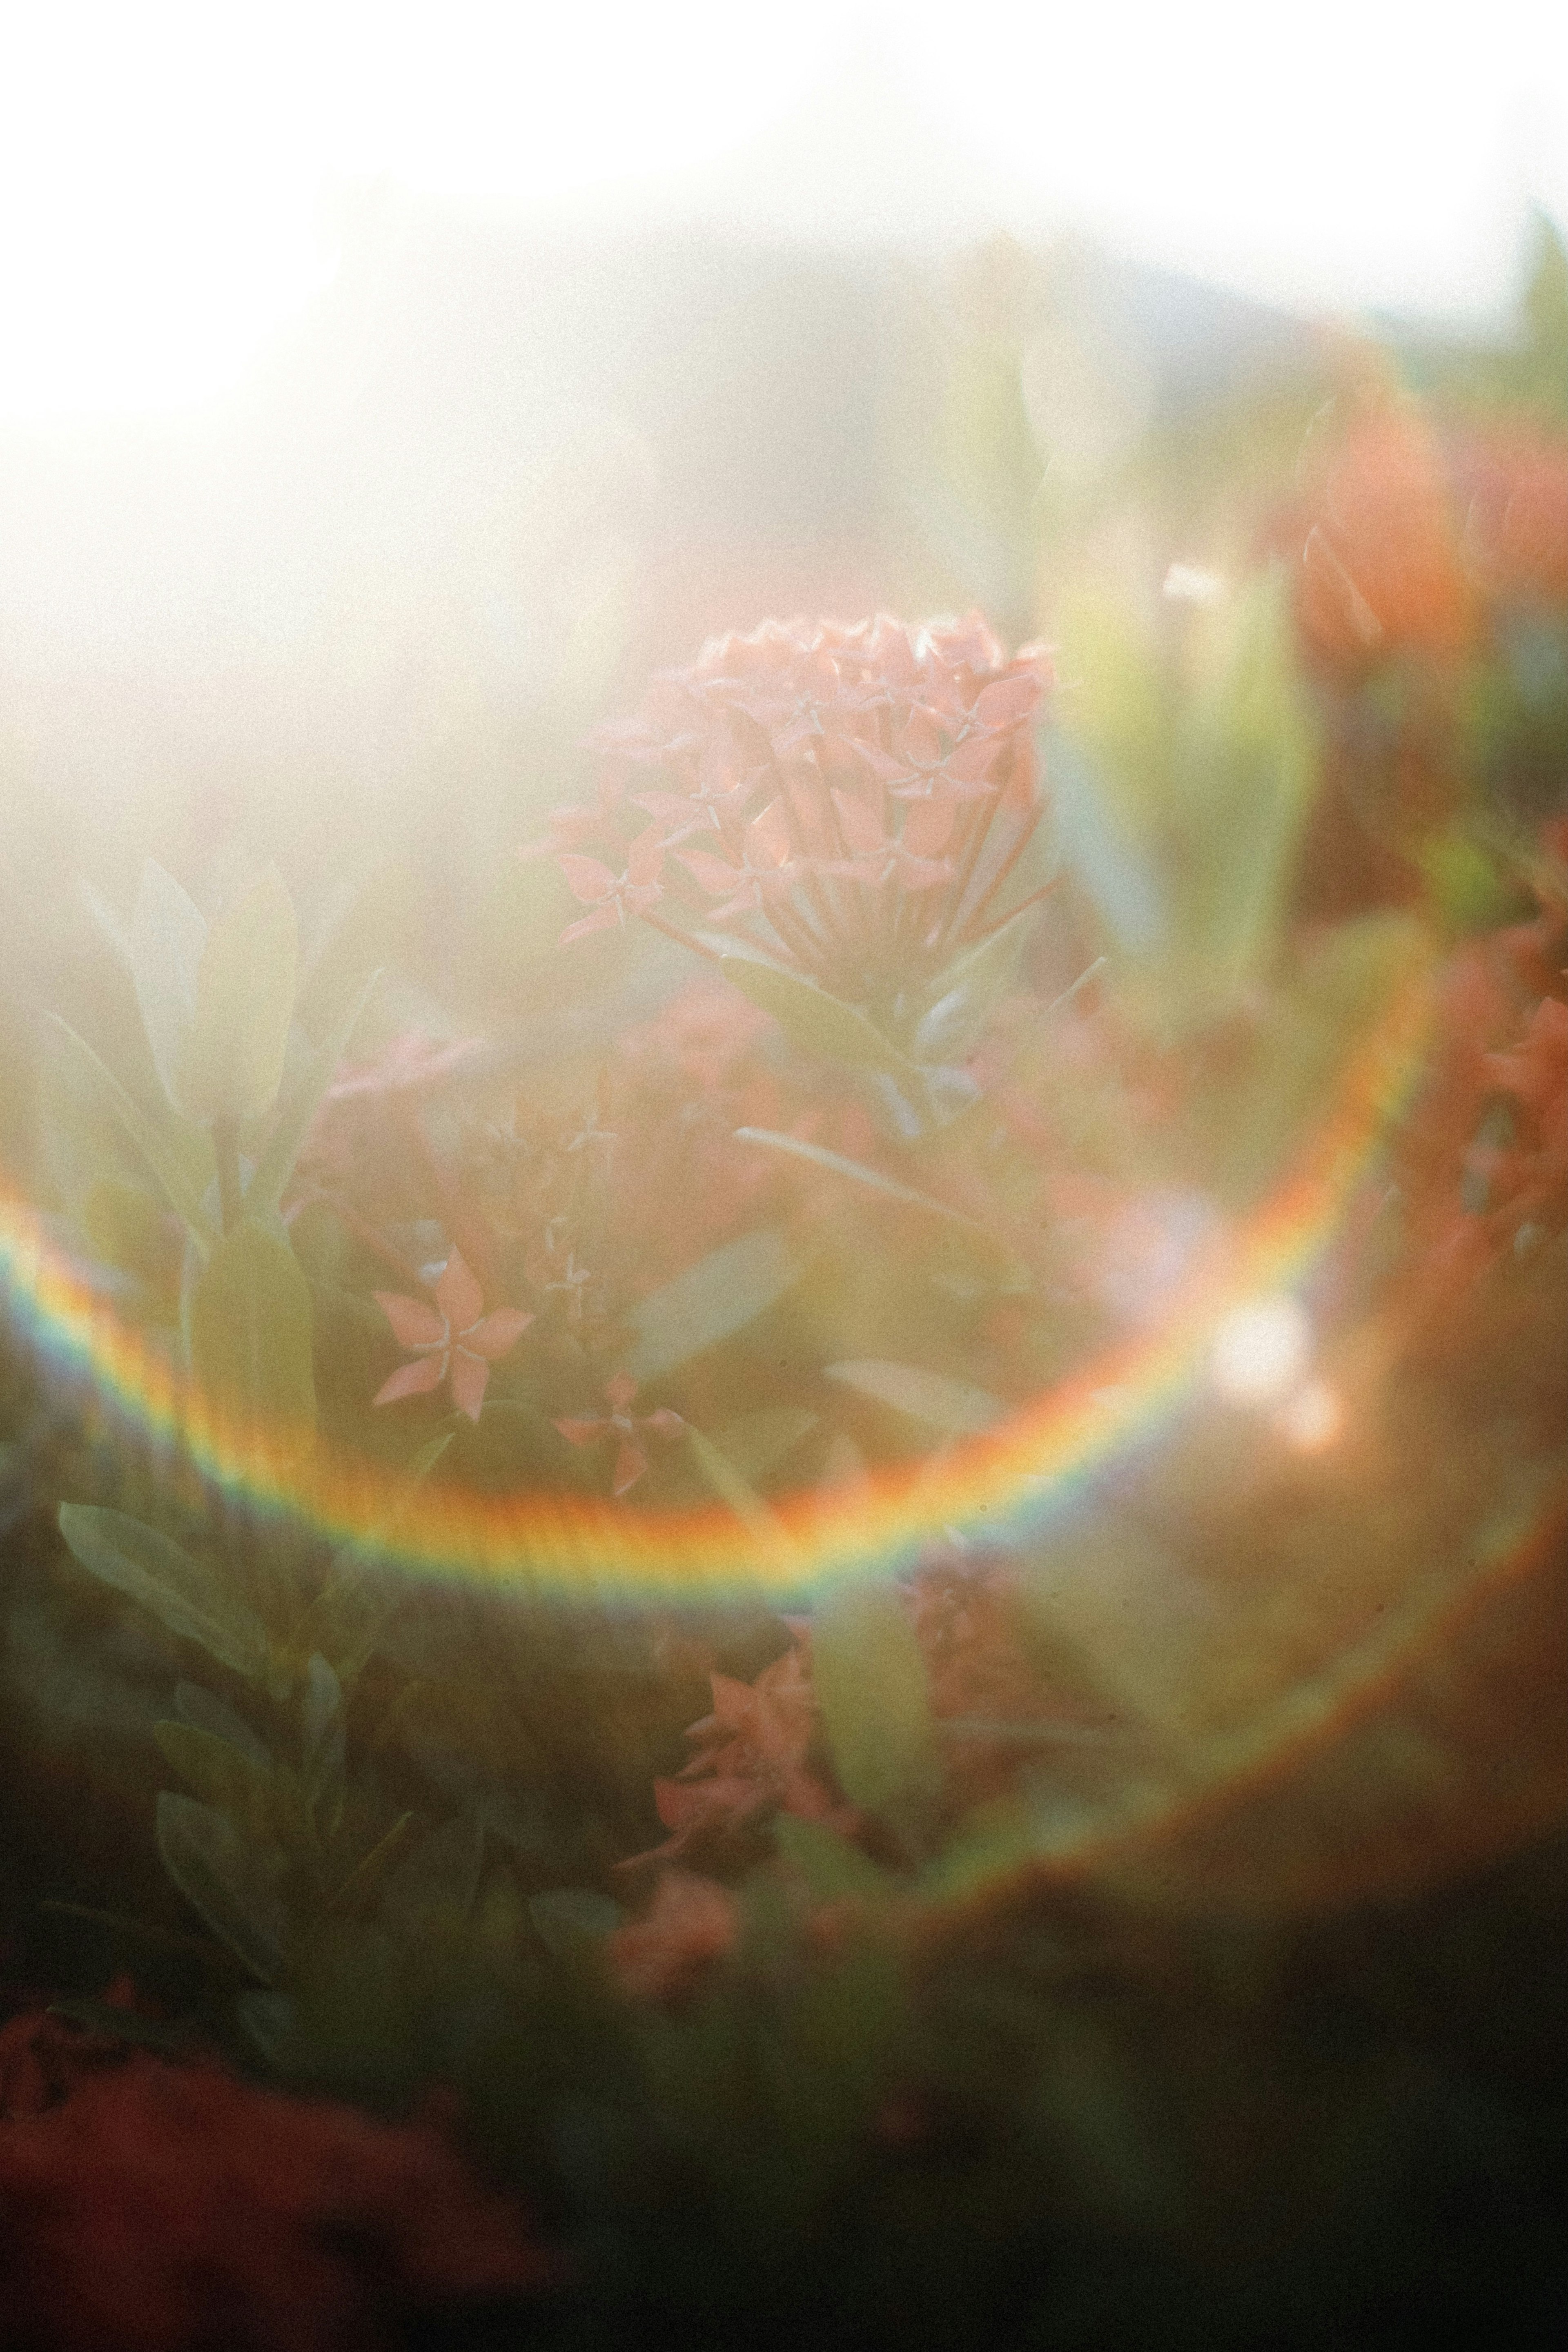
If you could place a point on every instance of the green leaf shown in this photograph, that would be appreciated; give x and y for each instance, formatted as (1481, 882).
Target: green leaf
(834, 1870)
(949, 1405)
(250, 1330)
(711, 1301)
(726, 1482)
(270, 2019)
(970, 987)
(870, 1684)
(232, 1060)
(166, 1156)
(323, 1742)
(871, 1178)
(1246, 769)
(232, 1883)
(358, 1888)
(435, 1884)
(811, 1018)
(572, 1920)
(223, 1777)
(300, 1106)
(168, 937)
(344, 1620)
(184, 1594)
(755, 1443)
(206, 1711)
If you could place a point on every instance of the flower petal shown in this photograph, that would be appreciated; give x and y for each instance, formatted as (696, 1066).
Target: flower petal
(604, 919)
(412, 1380)
(582, 1433)
(665, 1423)
(497, 1333)
(588, 878)
(459, 1295)
(414, 1321)
(1007, 699)
(469, 1375)
(620, 1388)
(711, 872)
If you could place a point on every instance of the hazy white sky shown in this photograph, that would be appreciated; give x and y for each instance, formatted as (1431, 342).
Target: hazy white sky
(167, 167)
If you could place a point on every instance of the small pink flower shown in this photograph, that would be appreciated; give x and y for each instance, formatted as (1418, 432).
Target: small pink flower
(453, 1338)
(614, 896)
(621, 1424)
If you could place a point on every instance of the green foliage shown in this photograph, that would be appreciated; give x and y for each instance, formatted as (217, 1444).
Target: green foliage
(167, 939)
(178, 1157)
(1201, 766)
(712, 1301)
(870, 1684)
(855, 1171)
(834, 1870)
(232, 1881)
(230, 1056)
(262, 1798)
(951, 1406)
(816, 1022)
(250, 1332)
(965, 996)
(299, 1103)
(185, 1595)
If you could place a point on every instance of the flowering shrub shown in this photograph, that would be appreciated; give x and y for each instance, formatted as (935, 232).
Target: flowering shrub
(904, 1156)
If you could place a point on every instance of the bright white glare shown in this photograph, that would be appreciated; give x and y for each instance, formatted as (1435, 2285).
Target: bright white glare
(162, 168)
(1261, 1350)
(1190, 583)
(1312, 1418)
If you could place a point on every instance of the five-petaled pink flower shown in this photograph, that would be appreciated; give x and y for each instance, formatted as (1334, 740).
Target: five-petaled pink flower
(621, 1424)
(453, 1338)
(613, 896)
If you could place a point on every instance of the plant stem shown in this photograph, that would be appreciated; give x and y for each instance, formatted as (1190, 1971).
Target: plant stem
(225, 1151)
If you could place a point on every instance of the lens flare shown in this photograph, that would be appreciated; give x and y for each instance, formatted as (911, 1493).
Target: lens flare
(1003, 1485)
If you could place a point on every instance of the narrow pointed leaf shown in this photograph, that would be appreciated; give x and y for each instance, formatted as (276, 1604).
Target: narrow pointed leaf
(365, 1879)
(298, 1107)
(205, 1712)
(222, 1777)
(811, 1018)
(184, 1594)
(167, 1158)
(857, 1173)
(231, 1884)
(436, 1881)
(250, 1332)
(711, 1301)
(941, 1403)
(870, 1684)
(726, 1482)
(834, 1870)
(970, 987)
(168, 937)
(755, 1443)
(232, 1060)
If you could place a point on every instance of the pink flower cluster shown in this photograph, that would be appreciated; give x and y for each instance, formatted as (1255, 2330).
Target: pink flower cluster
(849, 800)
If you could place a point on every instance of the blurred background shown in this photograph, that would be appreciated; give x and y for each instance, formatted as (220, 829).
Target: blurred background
(384, 392)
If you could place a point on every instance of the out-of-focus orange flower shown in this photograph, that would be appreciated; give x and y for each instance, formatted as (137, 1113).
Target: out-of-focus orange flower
(693, 1922)
(155, 2207)
(1512, 490)
(1382, 564)
(454, 1339)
